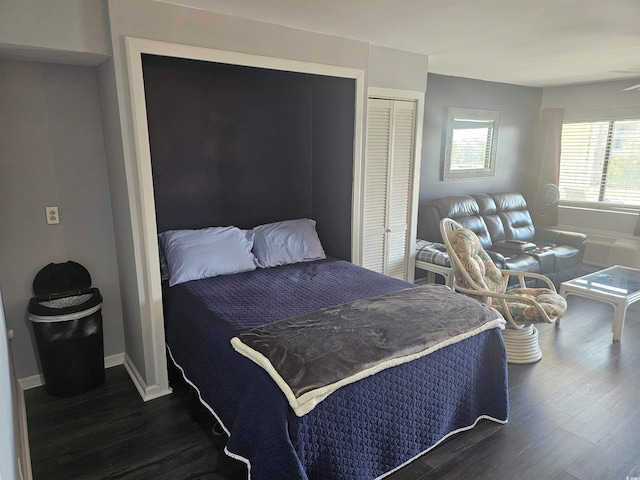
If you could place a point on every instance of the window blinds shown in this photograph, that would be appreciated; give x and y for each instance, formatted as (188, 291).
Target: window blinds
(600, 163)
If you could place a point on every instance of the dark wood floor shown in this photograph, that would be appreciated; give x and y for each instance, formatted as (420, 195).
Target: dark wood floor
(110, 433)
(574, 415)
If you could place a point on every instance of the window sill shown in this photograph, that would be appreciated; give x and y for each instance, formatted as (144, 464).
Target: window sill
(604, 208)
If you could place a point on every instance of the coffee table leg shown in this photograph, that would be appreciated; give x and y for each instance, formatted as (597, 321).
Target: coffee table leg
(564, 294)
(619, 312)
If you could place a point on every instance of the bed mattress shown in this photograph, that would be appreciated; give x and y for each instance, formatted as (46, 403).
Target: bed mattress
(366, 429)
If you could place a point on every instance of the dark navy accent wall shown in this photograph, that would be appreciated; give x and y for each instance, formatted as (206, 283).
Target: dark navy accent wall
(229, 145)
(233, 145)
(333, 134)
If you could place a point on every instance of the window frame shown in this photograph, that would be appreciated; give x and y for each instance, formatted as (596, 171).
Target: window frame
(490, 119)
(601, 204)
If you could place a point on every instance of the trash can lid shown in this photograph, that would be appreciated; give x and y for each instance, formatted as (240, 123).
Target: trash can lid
(74, 307)
(58, 279)
(58, 308)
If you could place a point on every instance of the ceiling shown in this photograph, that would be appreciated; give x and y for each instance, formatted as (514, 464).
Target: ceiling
(537, 43)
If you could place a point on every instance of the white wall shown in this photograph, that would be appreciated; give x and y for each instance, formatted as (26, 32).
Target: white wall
(389, 68)
(583, 100)
(67, 31)
(53, 154)
(589, 95)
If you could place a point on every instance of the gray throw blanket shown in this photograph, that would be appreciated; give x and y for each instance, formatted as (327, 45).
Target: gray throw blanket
(311, 356)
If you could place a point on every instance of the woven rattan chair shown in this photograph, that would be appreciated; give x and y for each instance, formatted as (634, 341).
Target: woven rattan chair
(476, 275)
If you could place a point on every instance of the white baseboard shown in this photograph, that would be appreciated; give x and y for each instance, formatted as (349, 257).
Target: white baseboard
(146, 392)
(27, 383)
(24, 464)
(114, 360)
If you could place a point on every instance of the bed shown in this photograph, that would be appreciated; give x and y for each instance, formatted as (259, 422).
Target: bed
(366, 429)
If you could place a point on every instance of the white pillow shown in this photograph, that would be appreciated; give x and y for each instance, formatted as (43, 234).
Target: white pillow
(208, 252)
(291, 241)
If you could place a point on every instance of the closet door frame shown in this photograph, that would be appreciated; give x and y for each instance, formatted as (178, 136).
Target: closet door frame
(418, 98)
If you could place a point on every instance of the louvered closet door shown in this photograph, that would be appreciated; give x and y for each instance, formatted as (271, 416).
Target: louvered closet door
(388, 182)
(376, 169)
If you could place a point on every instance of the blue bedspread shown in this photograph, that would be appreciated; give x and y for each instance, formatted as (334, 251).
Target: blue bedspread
(364, 429)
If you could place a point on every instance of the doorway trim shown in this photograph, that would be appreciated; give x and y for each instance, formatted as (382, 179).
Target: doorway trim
(151, 314)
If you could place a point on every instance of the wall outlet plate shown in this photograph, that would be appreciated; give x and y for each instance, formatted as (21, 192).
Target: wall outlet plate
(53, 216)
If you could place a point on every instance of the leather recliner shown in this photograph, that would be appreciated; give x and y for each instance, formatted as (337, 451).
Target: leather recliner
(505, 228)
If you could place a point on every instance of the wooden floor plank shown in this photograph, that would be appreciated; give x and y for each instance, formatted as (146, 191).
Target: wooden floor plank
(516, 443)
(574, 415)
(608, 413)
(565, 476)
(111, 433)
(623, 444)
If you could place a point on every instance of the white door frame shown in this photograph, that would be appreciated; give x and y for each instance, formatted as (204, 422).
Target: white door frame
(152, 317)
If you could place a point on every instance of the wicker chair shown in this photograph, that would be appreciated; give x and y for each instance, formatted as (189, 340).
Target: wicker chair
(476, 275)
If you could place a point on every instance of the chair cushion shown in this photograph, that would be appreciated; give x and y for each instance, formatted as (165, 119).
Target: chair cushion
(486, 275)
(554, 305)
(432, 252)
(475, 262)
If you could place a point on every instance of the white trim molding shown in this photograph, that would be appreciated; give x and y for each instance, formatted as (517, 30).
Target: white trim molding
(152, 316)
(147, 392)
(24, 464)
(27, 383)
(114, 360)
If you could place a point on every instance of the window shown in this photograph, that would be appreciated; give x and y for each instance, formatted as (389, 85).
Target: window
(472, 137)
(600, 163)
(471, 144)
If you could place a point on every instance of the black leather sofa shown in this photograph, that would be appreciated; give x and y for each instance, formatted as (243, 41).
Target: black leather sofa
(505, 229)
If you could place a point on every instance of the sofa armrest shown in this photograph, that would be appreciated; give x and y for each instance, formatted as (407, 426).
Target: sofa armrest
(498, 259)
(511, 247)
(560, 237)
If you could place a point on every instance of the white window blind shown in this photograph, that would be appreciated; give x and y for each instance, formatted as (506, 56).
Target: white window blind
(600, 163)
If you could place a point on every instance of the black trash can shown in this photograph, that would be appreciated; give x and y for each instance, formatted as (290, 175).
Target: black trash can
(67, 322)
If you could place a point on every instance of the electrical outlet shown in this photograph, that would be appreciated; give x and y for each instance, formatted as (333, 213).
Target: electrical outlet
(53, 216)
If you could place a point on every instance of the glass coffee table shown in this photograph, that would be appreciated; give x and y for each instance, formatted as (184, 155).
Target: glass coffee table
(617, 285)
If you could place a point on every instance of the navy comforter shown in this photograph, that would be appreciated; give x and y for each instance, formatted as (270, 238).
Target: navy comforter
(363, 430)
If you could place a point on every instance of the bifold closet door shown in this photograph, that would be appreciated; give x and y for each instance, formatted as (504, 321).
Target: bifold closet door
(388, 182)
